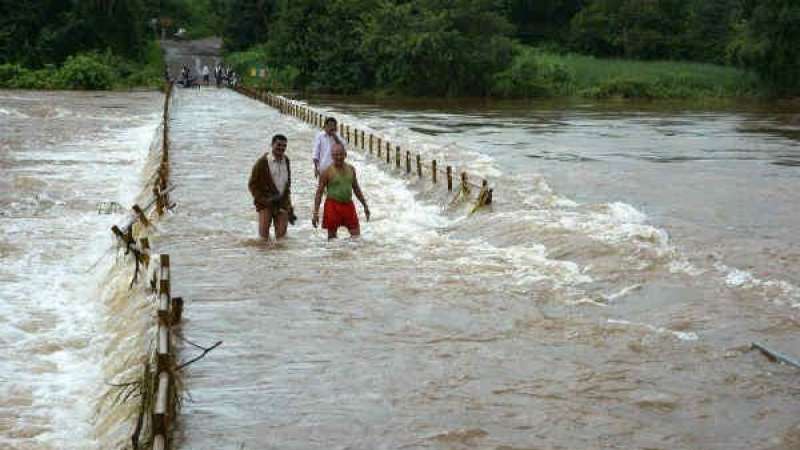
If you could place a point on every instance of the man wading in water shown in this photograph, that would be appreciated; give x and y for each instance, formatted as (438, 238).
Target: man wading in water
(339, 180)
(270, 183)
(323, 147)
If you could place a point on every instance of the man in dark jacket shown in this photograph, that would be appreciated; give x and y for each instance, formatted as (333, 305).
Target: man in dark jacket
(270, 183)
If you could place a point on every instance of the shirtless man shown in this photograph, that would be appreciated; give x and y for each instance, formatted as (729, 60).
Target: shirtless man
(340, 183)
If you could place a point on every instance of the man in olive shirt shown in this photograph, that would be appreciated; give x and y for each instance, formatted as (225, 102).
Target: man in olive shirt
(340, 183)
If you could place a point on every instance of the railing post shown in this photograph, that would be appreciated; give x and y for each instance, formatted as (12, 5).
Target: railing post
(388, 153)
(408, 162)
(419, 166)
(449, 178)
(433, 171)
(370, 143)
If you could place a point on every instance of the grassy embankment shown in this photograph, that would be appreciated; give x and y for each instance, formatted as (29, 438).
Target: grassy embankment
(90, 71)
(539, 73)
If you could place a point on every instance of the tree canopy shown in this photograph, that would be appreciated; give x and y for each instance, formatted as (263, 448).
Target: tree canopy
(434, 47)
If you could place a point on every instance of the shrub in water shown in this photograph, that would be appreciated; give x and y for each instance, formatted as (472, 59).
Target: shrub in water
(86, 71)
(8, 72)
(532, 74)
(625, 88)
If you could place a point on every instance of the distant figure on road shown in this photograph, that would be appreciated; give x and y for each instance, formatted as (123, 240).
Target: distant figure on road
(218, 74)
(270, 183)
(186, 76)
(205, 75)
(323, 145)
(340, 183)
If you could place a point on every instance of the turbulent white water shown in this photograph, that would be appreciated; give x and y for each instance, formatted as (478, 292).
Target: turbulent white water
(57, 168)
(556, 318)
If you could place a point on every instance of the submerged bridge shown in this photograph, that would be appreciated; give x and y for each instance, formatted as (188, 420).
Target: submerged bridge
(444, 327)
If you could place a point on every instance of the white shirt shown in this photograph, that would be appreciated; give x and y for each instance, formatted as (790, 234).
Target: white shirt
(323, 145)
(279, 172)
(205, 70)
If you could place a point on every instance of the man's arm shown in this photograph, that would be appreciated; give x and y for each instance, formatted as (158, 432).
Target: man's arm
(359, 194)
(323, 182)
(316, 154)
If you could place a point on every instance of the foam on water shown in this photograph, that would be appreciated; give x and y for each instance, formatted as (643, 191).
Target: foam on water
(780, 291)
(13, 113)
(681, 335)
(53, 319)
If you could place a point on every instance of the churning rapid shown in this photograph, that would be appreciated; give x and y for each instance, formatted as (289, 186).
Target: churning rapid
(602, 301)
(64, 328)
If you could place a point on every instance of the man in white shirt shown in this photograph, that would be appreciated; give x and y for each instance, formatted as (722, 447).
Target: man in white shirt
(323, 145)
(270, 183)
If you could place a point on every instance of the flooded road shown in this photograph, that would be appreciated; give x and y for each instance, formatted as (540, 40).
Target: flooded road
(607, 299)
(550, 321)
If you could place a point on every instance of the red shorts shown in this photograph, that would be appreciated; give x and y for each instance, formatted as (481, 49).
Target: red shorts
(339, 214)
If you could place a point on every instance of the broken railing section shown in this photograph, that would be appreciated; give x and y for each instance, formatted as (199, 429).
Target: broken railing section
(774, 355)
(382, 149)
(141, 217)
(158, 389)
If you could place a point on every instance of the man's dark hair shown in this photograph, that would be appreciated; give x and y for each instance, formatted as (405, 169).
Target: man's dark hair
(279, 137)
(330, 120)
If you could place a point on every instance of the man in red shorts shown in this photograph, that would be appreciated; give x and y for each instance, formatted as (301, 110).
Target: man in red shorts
(340, 183)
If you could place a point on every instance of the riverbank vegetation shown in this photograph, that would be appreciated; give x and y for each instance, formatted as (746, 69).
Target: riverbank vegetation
(53, 44)
(506, 48)
(525, 48)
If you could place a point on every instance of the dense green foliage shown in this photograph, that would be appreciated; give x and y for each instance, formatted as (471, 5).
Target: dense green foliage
(428, 47)
(535, 72)
(465, 47)
(49, 44)
(88, 71)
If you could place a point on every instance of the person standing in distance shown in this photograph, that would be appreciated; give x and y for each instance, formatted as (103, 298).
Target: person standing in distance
(323, 145)
(270, 183)
(340, 183)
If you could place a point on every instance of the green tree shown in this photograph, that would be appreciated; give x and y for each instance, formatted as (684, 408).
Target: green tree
(709, 29)
(542, 20)
(248, 23)
(645, 29)
(767, 41)
(438, 47)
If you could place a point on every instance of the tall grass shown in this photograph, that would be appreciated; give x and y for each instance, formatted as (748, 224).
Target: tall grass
(535, 72)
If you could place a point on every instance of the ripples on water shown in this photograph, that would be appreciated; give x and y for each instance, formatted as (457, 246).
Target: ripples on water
(587, 308)
(550, 320)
